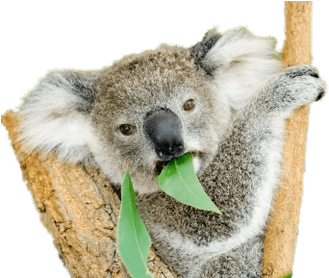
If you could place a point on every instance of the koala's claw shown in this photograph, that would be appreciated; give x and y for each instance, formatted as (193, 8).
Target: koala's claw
(314, 75)
(320, 96)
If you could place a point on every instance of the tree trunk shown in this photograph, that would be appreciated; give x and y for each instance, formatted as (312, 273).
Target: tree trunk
(282, 229)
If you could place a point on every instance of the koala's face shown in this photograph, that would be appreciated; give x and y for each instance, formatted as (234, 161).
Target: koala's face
(156, 106)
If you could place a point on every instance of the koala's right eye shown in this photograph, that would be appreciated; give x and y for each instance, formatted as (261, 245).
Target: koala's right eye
(189, 105)
(126, 129)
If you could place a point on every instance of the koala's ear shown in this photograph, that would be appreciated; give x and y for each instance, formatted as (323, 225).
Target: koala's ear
(201, 49)
(57, 115)
(238, 62)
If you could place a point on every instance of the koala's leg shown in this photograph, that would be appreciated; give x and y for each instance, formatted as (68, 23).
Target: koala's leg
(244, 261)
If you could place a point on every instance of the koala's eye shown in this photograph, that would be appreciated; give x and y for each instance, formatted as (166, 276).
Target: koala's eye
(189, 105)
(126, 129)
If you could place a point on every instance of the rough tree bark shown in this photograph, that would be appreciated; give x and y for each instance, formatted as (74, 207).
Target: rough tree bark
(282, 229)
(80, 208)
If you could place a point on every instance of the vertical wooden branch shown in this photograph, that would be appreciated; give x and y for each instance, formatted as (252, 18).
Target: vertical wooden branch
(281, 233)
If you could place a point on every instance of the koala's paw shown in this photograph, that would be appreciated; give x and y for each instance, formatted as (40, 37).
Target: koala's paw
(295, 87)
(313, 78)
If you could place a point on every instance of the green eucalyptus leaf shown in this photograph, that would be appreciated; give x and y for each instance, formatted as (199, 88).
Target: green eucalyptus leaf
(132, 237)
(178, 179)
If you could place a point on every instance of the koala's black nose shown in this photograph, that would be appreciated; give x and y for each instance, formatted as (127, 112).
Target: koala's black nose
(163, 128)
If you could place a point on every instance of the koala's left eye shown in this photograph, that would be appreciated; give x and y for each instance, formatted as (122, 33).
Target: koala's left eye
(189, 105)
(126, 129)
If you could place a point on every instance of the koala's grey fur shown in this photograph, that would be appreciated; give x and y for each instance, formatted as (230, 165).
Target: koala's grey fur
(79, 115)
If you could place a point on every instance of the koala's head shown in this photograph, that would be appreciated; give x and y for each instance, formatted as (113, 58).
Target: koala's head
(156, 106)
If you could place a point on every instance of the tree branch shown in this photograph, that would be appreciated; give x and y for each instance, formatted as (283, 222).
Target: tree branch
(281, 232)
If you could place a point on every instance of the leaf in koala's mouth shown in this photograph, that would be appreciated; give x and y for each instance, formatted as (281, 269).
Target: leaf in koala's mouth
(162, 164)
(178, 179)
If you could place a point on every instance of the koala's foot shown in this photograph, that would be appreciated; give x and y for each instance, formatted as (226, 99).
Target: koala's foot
(293, 88)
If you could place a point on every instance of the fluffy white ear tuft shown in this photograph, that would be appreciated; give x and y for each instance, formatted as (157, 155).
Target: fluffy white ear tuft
(241, 64)
(56, 116)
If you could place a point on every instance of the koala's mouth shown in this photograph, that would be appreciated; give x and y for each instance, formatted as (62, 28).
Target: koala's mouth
(160, 164)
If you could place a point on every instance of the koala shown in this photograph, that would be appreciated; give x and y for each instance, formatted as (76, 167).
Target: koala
(146, 109)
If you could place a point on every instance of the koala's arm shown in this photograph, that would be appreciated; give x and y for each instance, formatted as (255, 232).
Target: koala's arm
(250, 158)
